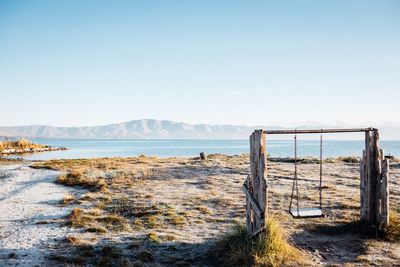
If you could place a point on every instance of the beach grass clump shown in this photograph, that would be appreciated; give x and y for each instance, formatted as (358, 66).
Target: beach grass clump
(349, 159)
(392, 231)
(77, 240)
(114, 222)
(95, 212)
(96, 228)
(238, 249)
(177, 220)
(95, 222)
(77, 178)
(23, 143)
(204, 209)
(68, 198)
(79, 218)
(153, 237)
(152, 221)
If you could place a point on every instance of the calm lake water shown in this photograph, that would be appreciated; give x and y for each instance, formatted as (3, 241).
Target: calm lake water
(189, 148)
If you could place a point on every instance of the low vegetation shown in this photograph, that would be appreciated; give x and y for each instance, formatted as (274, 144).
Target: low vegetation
(173, 212)
(23, 146)
(68, 199)
(8, 161)
(238, 249)
(76, 178)
(19, 145)
(392, 232)
(97, 221)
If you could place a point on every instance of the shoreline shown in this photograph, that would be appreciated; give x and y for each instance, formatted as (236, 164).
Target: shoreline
(168, 148)
(27, 151)
(277, 159)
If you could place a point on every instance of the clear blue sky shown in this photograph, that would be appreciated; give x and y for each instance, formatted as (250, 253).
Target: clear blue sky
(67, 63)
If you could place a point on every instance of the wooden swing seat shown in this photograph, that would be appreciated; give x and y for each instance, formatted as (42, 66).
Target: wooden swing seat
(306, 213)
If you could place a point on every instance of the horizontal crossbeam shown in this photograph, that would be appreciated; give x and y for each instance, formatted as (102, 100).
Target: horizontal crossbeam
(319, 131)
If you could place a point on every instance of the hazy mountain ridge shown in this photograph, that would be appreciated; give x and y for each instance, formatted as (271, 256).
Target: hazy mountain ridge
(154, 129)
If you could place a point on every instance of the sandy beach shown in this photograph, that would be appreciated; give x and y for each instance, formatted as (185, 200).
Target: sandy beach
(30, 221)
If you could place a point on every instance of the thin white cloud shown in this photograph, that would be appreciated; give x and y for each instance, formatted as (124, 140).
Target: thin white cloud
(234, 93)
(265, 91)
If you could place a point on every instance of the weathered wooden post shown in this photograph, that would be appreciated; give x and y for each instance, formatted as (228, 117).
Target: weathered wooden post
(374, 171)
(255, 186)
(203, 155)
(384, 218)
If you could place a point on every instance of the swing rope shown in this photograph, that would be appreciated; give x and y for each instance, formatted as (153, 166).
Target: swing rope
(320, 172)
(295, 185)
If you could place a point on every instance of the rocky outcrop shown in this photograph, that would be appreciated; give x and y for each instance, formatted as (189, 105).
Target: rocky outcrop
(18, 151)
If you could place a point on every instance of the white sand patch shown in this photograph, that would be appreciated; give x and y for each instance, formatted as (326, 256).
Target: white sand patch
(28, 198)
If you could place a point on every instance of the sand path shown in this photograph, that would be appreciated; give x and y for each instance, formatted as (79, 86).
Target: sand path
(30, 215)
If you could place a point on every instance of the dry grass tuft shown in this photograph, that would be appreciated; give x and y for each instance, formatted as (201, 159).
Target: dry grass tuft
(275, 250)
(68, 198)
(78, 218)
(95, 212)
(349, 159)
(177, 220)
(237, 249)
(153, 237)
(392, 232)
(114, 222)
(76, 240)
(204, 209)
(96, 228)
(94, 221)
(77, 178)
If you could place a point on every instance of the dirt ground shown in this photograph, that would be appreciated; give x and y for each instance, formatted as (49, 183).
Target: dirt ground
(170, 212)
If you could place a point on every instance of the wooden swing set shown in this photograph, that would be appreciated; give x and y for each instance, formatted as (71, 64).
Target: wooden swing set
(374, 175)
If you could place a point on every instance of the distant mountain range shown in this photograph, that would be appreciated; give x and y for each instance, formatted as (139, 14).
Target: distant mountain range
(156, 129)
